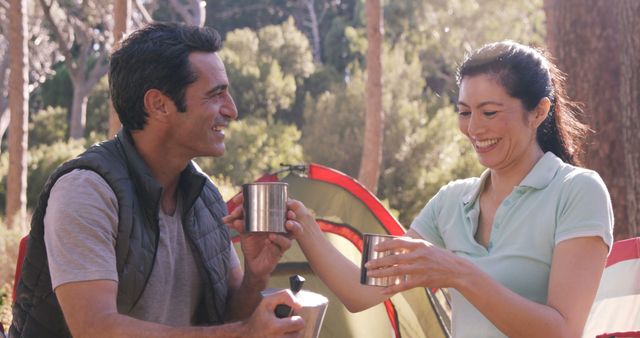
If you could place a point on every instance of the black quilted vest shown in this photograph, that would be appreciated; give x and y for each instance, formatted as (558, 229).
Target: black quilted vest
(36, 312)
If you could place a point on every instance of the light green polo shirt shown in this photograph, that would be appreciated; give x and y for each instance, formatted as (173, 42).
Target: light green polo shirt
(555, 202)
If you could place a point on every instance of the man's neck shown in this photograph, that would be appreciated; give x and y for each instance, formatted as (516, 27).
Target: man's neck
(164, 166)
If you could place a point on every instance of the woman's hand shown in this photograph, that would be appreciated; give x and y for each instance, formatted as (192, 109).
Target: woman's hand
(422, 263)
(300, 221)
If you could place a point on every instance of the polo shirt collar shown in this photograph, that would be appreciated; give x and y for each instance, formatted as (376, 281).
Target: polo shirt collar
(476, 188)
(543, 172)
(538, 178)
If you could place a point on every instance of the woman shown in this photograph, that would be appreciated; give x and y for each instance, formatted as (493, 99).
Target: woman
(522, 247)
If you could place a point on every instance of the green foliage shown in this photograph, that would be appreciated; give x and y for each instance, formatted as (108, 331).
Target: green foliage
(253, 149)
(48, 126)
(422, 148)
(228, 15)
(344, 45)
(266, 67)
(42, 160)
(56, 91)
(275, 83)
(441, 32)
(98, 110)
(334, 125)
(431, 156)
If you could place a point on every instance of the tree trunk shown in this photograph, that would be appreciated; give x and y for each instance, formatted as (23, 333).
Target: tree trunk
(4, 94)
(122, 14)
(4, 125)
(18, 104)
(585, 36)
(315, 33)
(374, 119)
(78, 112)
(628, 11)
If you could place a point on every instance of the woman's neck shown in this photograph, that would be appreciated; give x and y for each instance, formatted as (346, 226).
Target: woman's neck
(503, 180)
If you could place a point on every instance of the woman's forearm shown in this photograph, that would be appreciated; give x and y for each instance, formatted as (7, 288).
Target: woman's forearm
(575, 273)
(340, 274)
(512, 314)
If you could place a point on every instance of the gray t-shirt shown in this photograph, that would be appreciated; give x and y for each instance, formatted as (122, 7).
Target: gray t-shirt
(80, 242)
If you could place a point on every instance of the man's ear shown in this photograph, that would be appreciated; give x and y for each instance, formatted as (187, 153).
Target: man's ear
(541, 111)
(157, 105)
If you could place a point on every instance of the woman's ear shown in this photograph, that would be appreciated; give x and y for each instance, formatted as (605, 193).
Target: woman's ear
(541, 111)
(157, 105)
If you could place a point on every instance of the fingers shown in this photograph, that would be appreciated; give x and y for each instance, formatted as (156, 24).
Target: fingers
(270, 325)
(238, 199)
(390, 260)
(398, 243)
(294, 227)
(281, 297)
(282, 242)
(389, 271)
(291, 326)
(402, 286)
(295, 205)
(235, 219)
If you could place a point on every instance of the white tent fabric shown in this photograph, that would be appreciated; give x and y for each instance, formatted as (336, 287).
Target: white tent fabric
(616, 308)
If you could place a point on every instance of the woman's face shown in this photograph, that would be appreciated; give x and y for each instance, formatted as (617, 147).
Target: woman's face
(501, 131)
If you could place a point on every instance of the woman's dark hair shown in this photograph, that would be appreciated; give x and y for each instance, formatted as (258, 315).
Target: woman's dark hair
(528, 75)
(155, 57)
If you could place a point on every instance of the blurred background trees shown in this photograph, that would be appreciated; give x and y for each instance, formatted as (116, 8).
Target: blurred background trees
(597, 43)
(298, 73)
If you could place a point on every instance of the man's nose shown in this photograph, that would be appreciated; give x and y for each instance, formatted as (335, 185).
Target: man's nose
(229, 109)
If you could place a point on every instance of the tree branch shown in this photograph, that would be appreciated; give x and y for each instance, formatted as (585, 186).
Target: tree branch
(235, 11)
(145, 14)
(62, 43)
(185, 14)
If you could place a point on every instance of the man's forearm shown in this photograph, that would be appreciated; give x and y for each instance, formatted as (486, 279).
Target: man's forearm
(244, 300)
(117, 325)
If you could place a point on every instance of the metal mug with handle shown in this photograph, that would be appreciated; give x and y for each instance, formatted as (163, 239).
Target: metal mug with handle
(368, 253)
(265, 206)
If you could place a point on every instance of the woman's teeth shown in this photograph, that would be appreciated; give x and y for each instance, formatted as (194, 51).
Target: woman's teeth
(486, 143)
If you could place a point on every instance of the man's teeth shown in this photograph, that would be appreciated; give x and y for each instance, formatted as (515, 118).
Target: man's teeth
(487, 143)
(218, 128)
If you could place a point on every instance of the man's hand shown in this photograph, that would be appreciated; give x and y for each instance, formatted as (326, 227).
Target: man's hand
(262, 251)
(264, 323)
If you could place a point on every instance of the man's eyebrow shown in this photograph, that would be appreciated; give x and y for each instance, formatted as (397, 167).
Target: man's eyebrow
(217, 89)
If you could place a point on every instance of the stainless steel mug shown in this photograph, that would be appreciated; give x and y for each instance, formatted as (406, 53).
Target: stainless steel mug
(265, 206)
(370, 241)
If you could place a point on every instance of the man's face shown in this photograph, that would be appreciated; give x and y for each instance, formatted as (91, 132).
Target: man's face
(199, 131)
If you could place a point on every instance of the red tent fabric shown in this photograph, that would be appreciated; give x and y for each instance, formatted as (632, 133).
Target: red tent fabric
(616, 308)
(345, 210)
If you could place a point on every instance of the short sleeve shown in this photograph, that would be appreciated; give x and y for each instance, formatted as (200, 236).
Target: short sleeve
(234, 261)
(585, 209)
(81, 223)
(426, 223)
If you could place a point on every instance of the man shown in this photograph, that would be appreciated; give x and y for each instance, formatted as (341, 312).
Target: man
(128, 238)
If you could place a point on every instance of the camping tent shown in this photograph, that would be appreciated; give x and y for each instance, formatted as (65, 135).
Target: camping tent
(345, 210)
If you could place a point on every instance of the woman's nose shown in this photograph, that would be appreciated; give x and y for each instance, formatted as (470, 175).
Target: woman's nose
(476, 124)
